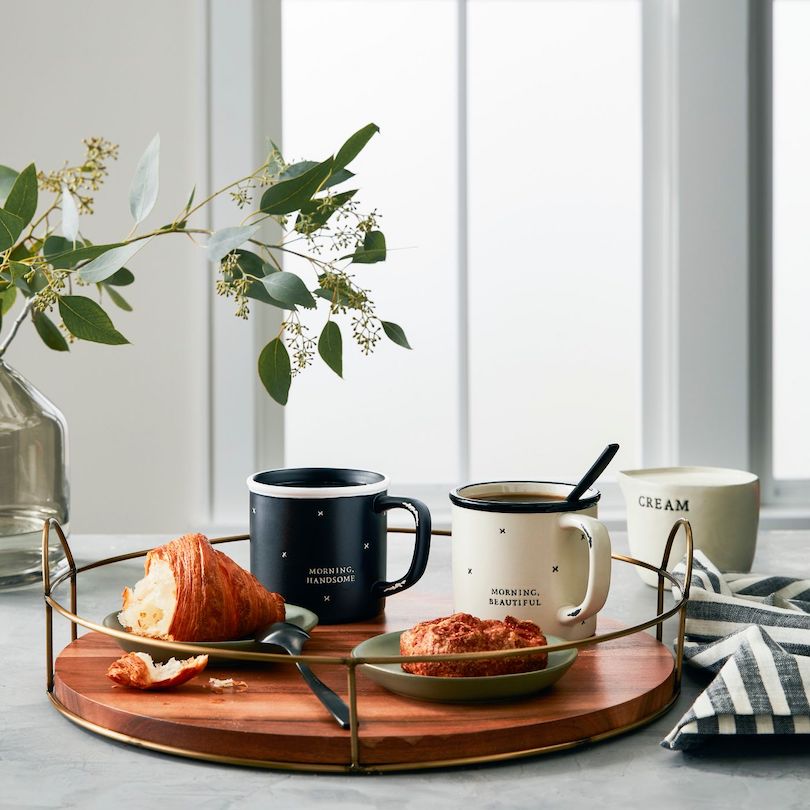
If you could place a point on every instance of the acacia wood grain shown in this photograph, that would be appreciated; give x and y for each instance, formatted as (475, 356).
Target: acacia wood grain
(610, 686)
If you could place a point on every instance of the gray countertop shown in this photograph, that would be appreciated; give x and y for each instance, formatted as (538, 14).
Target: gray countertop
(46, 761)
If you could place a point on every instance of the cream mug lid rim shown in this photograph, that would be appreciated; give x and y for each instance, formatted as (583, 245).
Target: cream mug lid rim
(702, 477)
(481, 504)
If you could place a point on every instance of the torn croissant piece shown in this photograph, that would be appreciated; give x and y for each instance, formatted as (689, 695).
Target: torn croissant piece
(192, 592)
(136, 669)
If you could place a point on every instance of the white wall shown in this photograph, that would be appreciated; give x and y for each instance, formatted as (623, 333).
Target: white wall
(137, 414)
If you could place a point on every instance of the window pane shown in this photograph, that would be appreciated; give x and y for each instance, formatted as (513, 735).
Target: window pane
(345, 64)
(555, 235)
(791, 239)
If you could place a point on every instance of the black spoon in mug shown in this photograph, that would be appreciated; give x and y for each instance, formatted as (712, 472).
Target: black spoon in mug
(597, 468)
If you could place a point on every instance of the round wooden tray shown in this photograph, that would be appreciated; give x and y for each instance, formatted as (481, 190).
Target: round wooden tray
(277, 722)
(622, 679)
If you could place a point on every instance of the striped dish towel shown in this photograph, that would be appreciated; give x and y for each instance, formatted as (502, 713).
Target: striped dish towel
(754, 632)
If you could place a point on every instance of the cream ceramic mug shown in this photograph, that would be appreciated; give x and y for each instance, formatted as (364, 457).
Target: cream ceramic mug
(520, 549)
(721, 504)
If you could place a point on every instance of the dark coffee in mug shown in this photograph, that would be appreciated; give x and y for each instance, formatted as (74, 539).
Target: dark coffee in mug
(525, 497)
(318, 536)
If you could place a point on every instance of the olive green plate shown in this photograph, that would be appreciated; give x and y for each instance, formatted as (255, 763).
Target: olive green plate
(457, 690)
(304, 618)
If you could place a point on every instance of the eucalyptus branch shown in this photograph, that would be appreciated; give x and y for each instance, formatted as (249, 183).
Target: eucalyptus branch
(52, 272)
(210, 197)
(38, 222)
(18, 321)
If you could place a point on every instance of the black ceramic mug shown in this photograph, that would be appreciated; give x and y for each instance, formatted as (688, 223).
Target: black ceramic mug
(318, 537)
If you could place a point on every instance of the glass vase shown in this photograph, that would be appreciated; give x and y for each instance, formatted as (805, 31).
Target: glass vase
(33, 479)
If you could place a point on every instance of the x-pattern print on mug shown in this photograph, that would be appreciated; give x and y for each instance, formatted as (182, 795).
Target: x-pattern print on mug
(328, 526)
(521, 549)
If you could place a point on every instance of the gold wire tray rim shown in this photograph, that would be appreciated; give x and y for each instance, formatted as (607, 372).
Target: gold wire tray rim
(378, 769)
(354, 765)
(349, 660)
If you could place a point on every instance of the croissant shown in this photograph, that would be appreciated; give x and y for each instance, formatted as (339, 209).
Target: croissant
(192, 592)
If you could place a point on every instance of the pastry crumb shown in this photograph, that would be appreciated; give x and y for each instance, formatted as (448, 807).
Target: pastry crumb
(219, 685)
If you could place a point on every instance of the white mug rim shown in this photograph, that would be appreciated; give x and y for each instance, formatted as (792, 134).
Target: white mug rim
(461, 498)
(317, 492)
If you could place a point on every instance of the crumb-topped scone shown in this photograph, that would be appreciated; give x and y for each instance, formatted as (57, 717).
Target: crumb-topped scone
(462, 633)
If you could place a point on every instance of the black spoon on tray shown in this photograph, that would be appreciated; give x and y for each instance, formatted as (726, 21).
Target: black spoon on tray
(597, 468)
(292, 638)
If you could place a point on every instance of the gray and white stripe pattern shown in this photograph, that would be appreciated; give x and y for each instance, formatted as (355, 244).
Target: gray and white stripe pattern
(754, 632)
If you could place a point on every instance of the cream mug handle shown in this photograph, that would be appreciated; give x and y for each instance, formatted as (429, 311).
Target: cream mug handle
(598, 572)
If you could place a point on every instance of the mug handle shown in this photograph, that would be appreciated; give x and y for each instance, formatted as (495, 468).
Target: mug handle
(421, 517)
(599, 560)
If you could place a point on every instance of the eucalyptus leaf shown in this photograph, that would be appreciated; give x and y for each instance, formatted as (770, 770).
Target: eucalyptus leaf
(373, 249)
(109, 262)
(330, 347)
(56, 246)
(289, 289)
(22, 199)
(16, 274)
(85, 319)
(258, 292)
(11, 227)
(38, 282)
(250, 264)
(395, 333)
(274, 370)
(22, 251)
(337, 177)
(274, 160)
(226, 240)
(118, 299)
(49, 332)
(144, 190)
(7, 178)
(120, 278)
(62, 259)
(70, 216)
(297, 169)
(7, 299)
(329, 295)
(289, 195)
(352, 148)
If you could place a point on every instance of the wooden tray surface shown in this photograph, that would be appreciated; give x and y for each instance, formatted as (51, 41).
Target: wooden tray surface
(611, 686)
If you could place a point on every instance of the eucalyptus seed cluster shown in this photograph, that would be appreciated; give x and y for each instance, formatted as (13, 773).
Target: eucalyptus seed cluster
(349, 229)
(87, 176)
(232, 283)
(366, 328)
(56, 282)
(346, 294)
(301, 345)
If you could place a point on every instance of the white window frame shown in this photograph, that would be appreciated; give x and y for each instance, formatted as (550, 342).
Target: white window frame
(706, 370)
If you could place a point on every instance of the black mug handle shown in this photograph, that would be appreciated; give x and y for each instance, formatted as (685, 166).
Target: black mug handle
(421, 517)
